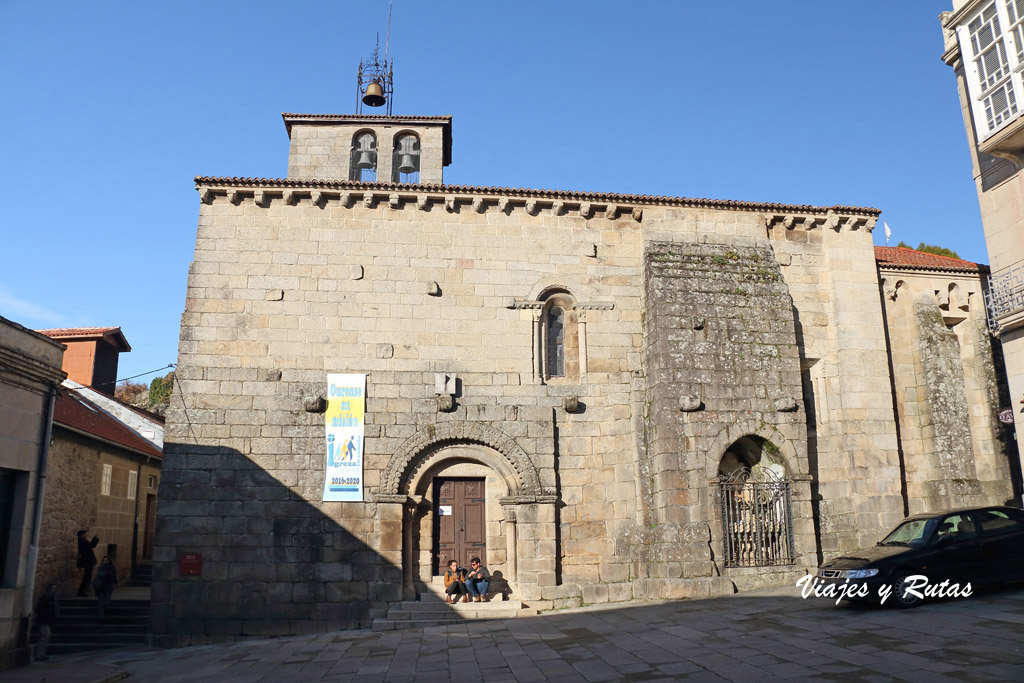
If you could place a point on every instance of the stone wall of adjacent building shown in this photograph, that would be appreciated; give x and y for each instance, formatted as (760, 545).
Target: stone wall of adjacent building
(74, 501)
(30, 375)
(947, 390)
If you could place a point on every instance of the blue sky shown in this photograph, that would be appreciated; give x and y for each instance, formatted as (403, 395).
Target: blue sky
(110, 109)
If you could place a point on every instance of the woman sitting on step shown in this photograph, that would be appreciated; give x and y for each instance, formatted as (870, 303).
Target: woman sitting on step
(455, 583)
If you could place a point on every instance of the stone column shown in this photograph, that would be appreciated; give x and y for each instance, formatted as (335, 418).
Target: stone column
(511, 549)
(581, 322)
(538, 345)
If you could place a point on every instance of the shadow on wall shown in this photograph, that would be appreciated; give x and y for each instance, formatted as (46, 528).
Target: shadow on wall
(272, 563)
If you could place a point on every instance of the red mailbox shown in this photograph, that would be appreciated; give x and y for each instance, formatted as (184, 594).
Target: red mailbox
(191, 564)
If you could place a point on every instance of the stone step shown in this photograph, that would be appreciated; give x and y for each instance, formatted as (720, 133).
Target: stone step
(428, 604)
(442, 615)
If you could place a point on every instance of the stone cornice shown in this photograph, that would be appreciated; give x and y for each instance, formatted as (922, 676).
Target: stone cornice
(457, 198)
(838, 220)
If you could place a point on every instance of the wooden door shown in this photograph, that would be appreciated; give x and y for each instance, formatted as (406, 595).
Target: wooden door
(150, 528)
(459, 527)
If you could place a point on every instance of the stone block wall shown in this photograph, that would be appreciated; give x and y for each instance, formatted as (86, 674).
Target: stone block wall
(323, 150)
(947, 391)
(852, 446)
(30, 373)
(722, 363)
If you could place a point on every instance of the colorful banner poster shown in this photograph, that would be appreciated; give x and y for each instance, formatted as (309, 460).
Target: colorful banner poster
(343, 480)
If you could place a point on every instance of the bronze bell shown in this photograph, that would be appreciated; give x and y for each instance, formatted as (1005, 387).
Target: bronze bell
(374, 95)
(407, 164)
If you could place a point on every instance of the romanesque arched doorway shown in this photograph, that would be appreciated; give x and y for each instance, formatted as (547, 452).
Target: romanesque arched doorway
(755, 494)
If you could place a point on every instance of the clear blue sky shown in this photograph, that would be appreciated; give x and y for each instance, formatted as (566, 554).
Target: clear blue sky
(110, 109)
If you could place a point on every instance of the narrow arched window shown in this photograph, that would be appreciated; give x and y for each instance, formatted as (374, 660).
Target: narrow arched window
(405, 164)
(556, 341)
(363, 164)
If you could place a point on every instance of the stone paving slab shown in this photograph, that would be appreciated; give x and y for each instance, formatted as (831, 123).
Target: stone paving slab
(767, 635)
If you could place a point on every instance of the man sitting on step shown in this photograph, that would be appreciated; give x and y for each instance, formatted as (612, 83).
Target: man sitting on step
(478, 580)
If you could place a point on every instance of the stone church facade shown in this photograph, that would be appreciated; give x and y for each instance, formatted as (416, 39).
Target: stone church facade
(582, 374)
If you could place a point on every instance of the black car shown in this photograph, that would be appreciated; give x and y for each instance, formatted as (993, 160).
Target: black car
(941, 554)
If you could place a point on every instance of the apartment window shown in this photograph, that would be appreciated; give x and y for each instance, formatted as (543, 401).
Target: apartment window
(992, 42)
(105, 482)
(133, 484)
(151, 482)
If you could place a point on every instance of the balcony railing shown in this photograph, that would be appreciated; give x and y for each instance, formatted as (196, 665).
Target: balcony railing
(1005, 294)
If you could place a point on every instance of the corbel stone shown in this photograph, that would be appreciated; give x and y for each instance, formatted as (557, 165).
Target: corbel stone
(346, 199)
(558, 208)
(586, 210)
(786, 405)
(638, 213)
(449, 203)
(478, 204)
(318, 198)
(314, 404)
(832, 220)
(611, 212)
(571, 404)
(422, 202)
(788, 222)
(809, 223)
(690, 403)
(262, 199)
(505, 205)
(206, 196)
(434, 289)
(235, 197)
(869, 225)
(368, 200)
(531, 207)
(394, 201)
(290, 197)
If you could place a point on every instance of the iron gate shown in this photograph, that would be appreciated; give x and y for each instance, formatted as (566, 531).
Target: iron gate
(757, 518)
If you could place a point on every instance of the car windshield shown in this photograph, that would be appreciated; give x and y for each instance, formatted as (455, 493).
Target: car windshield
(911, 533)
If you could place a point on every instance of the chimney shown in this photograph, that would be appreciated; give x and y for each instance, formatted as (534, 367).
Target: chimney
(92, 354)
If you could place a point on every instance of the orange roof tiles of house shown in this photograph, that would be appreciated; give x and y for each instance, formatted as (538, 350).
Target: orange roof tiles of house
(912, 259)
(112, 334)
(79, 414)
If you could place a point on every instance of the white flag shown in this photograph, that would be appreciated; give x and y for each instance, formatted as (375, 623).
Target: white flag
(888, 232)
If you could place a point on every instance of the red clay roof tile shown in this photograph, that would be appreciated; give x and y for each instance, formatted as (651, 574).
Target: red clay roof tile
(912, 259)
(74, 411)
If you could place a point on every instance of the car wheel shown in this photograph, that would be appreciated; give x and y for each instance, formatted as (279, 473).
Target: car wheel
(901, 597)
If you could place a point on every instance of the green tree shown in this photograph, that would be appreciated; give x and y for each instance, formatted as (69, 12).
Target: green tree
(160, 390)
(931, 249)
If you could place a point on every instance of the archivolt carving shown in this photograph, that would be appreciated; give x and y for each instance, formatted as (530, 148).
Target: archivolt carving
(418, 448)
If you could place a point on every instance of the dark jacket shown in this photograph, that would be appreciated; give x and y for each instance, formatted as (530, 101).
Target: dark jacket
(481, 574)
(47, 609)
(105, 579)
(86, 557)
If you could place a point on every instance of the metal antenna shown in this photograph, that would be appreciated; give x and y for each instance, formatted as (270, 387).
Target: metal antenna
(387, 39)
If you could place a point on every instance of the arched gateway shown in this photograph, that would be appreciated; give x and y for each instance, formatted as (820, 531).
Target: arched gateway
(461, 486)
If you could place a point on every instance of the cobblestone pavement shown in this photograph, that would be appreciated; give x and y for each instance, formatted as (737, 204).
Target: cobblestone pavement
(749, 637)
